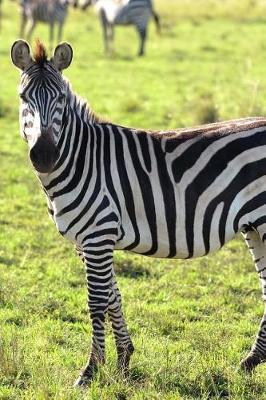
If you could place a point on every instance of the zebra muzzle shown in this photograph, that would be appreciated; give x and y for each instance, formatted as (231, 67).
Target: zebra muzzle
(44, 154)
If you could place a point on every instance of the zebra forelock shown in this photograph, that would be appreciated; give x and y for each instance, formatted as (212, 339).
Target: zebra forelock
(40, 53)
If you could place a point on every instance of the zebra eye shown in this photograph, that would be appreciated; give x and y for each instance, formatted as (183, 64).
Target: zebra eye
(61, 98)
(23, 97)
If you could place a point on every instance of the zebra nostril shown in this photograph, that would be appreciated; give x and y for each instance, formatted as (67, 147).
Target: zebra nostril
(28, 124)
(33, 155)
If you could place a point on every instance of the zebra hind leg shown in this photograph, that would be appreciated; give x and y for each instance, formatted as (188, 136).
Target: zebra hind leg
(143, 36)
(107, 31)
(124, 344)
(257, 248)
(30, 32)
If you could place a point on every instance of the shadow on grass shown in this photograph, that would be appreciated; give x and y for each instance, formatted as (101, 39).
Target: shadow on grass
(129, 269)
(214, 385)
(121, 396)
(136, 376)
(121, 57)
(251, 21)
(6, 261)
(15, 320)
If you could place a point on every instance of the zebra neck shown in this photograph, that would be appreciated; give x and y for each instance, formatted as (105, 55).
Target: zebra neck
(81, 109)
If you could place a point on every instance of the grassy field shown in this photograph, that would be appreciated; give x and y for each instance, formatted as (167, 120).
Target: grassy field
(191, 322)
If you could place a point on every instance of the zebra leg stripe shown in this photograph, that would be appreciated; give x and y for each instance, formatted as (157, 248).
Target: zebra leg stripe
(99, 276)
(124, 344)
(257, 248)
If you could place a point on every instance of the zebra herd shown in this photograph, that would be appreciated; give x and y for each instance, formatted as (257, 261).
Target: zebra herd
(170, 194)
(111, 13)
(51, 12)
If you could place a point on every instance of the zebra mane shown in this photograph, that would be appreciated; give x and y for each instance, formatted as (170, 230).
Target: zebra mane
(40, 54)
(84, 109)
(93, 116)
(88, 112)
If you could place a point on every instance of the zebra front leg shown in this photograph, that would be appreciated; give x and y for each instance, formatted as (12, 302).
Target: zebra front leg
(106, 31)
(23, 25)
(60, 31)
(111, 35)
(51, 36)
(123, 341)
(99, 265)
(257, 248)
(30, 32)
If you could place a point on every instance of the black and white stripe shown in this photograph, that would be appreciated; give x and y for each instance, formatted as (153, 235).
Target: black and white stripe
(124, 12)
(178, 194)
(51, 12)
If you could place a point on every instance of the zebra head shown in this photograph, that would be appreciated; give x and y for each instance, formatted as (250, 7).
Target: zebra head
(42, 92)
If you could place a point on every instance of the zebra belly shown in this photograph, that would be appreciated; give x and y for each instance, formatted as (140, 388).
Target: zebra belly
(162, 249)
(129, 15)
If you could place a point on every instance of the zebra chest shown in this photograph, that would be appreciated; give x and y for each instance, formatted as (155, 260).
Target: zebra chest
(87, 219)
(65, 228)
(68, 224)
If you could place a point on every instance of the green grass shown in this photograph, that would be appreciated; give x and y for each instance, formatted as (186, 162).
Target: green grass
(191, 322)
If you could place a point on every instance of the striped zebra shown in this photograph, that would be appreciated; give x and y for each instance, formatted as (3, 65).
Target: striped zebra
(179, 194)
(124, 12)
(51, 12)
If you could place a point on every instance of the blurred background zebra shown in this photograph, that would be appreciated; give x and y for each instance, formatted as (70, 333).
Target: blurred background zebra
(51, 12)
(124, 12)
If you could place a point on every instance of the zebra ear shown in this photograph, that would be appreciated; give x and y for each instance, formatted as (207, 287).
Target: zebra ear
(63, 55)
(20, 54)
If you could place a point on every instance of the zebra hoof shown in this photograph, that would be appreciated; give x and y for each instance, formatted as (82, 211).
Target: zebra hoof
(83, 381)
(124, 354)
(250, 362)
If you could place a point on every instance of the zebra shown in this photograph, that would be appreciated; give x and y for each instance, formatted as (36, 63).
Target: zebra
(124, 12)
(169, 194)
(51, 12)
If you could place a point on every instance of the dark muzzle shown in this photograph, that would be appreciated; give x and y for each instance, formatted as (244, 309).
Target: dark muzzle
(44, 154)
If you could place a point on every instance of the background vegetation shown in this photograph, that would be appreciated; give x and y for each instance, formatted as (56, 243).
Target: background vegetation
(191, 322)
